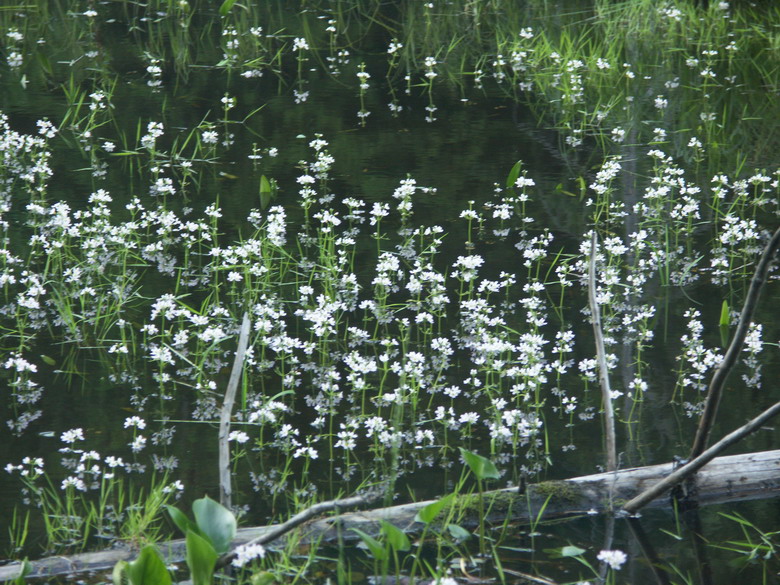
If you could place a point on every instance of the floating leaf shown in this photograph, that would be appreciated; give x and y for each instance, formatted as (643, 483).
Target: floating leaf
(459, 533)
(481, 466)
(566, 551)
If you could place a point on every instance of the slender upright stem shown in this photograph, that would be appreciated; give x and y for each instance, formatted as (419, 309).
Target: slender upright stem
(225, 488)
(601, 357)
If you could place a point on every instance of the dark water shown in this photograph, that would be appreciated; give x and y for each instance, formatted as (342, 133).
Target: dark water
(473, 145)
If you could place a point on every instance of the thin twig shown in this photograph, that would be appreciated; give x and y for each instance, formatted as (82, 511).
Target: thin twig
(225, 488)
(303, 516)
(694, 465)
(732, 354)
(601, 356)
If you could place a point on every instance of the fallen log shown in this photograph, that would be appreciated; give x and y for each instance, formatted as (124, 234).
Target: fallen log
(724, 479)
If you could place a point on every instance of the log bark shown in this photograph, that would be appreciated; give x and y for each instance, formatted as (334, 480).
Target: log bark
(724, 479)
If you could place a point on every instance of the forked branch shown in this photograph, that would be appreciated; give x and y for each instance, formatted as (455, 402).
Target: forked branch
(715, 389)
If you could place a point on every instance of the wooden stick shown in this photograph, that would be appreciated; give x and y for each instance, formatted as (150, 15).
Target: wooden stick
(225, 487)
(730, 479)
(732, 354)
(601, 356)
(693, 466)
(304, 516)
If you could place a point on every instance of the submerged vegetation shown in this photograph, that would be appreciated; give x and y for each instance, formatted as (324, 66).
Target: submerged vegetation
(167, 168)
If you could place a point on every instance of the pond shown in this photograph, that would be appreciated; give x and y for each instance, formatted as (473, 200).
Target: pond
(401, 196)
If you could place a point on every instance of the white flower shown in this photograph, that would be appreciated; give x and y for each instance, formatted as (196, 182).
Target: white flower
(135, 421)
(138, 444)
(73, 482)
(246, 553)
(238, 436)
(614, 558)
(72, 436)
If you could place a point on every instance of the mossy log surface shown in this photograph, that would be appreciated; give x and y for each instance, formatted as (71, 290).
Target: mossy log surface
(724, 479)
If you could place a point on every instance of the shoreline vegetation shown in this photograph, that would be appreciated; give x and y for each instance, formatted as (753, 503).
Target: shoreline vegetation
(167, 196)
(759, 477)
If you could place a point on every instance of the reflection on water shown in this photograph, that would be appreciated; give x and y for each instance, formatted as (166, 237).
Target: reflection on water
(466, 156)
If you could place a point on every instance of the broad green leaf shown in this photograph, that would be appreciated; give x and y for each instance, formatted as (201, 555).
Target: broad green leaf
(49, 361)
(396, 537)
(201, 559)
(215, 522)
(429, 512)
(378, 550)
(482, 467)
(226, 6)
(513, 174)
(148, 568)
(180, 519)
(457, 532)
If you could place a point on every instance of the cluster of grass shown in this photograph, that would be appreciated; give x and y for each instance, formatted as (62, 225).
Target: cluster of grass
(380, 345)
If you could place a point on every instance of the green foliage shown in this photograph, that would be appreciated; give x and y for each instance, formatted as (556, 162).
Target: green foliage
(201, 559)
(206, 538)
(480, 466)
(25, 570)
(148, 568)
(216, 523)
(429, 512)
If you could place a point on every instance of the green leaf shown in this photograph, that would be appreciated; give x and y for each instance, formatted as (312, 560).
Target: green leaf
(215, 522)
(566, 551)
(513, 174)
(262, 578)
(226, 6)
(201, 559)
(396, 537)
(724, 323)
(49, 361)
(724, 314)
(118, 575)
(24, 570)
(378, 550)
(429, 512)
(459, 533)
(148, 568)
(266, 192)
(482, 467)
(180, 519)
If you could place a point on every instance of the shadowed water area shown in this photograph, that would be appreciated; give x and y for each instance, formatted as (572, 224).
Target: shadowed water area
(409, 230)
